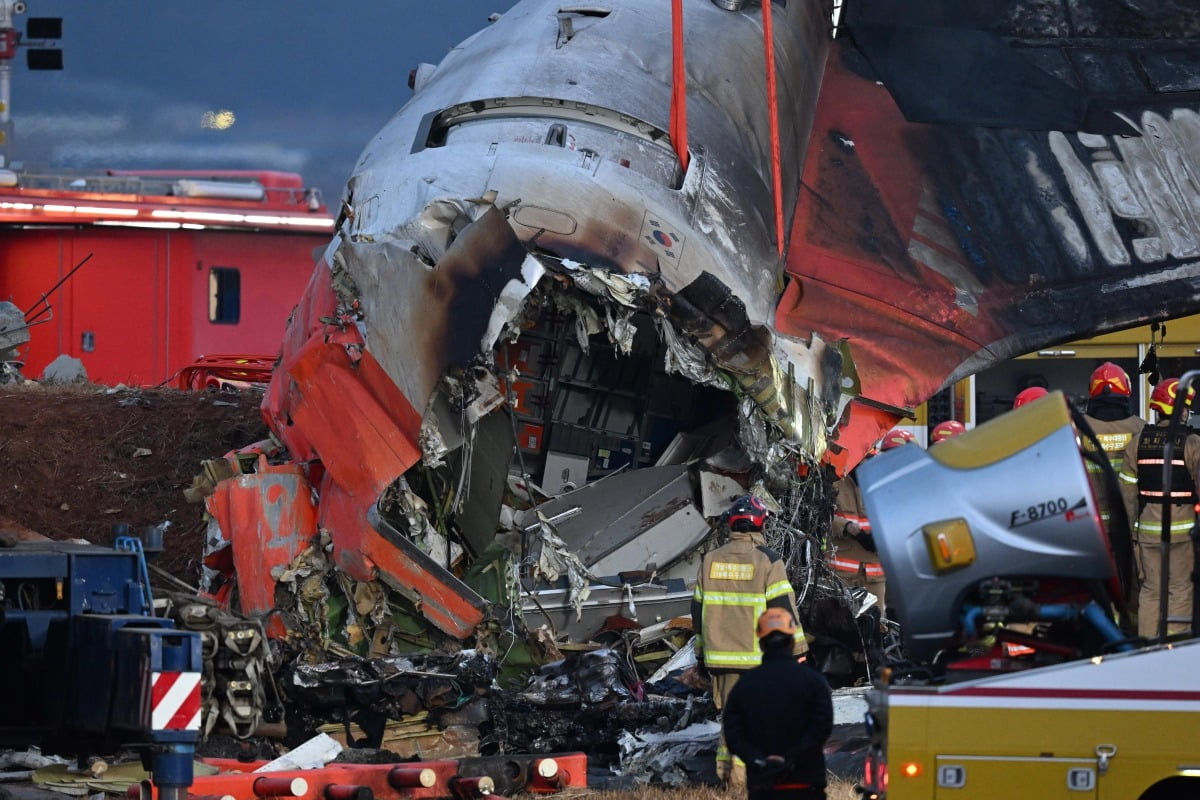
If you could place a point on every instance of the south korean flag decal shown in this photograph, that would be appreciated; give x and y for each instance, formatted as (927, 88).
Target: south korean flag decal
(662, 238)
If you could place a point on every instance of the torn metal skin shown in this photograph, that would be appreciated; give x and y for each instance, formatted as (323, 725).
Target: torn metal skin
(391, 484)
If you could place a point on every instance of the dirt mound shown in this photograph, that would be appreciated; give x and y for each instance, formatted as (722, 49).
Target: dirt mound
(75, 461)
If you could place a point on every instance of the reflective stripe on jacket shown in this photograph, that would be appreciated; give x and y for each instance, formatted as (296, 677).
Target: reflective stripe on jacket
(851, 565)
(862, 522)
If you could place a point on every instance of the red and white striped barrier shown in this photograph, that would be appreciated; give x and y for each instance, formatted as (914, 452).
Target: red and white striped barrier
(175, 701)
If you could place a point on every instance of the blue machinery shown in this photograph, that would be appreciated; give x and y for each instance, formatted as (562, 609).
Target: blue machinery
(85, 666)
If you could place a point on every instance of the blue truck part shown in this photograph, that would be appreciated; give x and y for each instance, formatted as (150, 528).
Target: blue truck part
(86, 667)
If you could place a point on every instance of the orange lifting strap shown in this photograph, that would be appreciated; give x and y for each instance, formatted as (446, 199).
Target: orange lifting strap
(678, 86)
(773, 113)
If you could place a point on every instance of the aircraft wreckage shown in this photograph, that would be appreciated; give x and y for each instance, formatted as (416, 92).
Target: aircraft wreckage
(587, 286)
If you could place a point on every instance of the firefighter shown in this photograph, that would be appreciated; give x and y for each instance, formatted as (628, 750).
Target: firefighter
(1108, 412)
(852, 546)
(852, 553)
(738, 581)
(1110, 417)
(778, 718)
(946, 430)
(1142, 486)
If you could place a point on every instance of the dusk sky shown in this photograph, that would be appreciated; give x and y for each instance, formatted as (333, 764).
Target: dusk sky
(308, 83)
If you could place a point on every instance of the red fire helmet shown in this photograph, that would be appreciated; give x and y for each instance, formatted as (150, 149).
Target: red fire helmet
(946, 430)
(1029, 395)
(747, 513)
(1109, 376)
(1162, 399)
(894, 438)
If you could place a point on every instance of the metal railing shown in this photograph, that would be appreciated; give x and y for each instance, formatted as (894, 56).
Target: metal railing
(240, 186)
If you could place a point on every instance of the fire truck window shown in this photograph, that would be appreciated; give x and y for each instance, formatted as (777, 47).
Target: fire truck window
(224, 295)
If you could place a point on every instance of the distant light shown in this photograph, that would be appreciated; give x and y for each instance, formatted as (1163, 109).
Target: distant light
(247, 219)
(119, 212)
(218, 120)
(171, 226)
(303, 222)
(56, 208)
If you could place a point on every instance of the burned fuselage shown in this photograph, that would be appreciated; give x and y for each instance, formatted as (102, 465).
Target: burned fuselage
(530, 293)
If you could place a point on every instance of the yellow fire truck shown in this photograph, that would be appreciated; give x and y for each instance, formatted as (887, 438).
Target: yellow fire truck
(1027, 681)
(1122, 726)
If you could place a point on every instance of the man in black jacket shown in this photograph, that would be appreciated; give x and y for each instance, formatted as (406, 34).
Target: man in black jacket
(778, 718)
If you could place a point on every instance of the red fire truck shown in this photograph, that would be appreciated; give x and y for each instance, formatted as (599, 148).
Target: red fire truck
(138, 274)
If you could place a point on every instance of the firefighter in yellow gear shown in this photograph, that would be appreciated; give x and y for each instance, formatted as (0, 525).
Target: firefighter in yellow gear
(1143, 491)
(1108, 412)
(737, 582)
(1110, 418)
(852, 546)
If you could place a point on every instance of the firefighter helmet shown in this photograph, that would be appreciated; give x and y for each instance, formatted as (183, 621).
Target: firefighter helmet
(1029, 395)
(746, 514)
(894, 438)
(776, 620)
(946, 430)
(1162, 399)
(1108, 376)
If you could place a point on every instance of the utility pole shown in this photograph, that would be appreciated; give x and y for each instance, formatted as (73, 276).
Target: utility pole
(43, 31)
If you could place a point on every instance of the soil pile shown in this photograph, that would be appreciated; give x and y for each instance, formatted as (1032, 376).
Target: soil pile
(77, 460)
